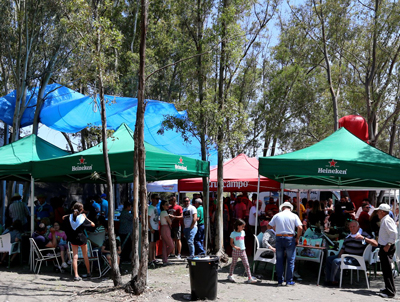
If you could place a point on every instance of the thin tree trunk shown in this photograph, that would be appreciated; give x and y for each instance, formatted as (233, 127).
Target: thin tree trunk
(115, 273)
(219, 240)
(138, 283)
(67, 138)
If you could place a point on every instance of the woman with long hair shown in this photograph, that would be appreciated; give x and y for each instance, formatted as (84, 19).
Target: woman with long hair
(168, 243)
(74, 226)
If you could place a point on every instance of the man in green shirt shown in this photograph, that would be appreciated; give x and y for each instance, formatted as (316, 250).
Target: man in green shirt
(199, 238)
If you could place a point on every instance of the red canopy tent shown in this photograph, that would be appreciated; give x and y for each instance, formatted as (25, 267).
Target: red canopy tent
(240, 175)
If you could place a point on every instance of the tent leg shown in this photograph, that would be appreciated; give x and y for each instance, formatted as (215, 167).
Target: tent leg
(32, 205)
(206, 198)
(258, 194)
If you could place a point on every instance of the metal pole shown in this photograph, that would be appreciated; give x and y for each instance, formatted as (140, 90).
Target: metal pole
(207, 214)
(32, 218)
(258, 194)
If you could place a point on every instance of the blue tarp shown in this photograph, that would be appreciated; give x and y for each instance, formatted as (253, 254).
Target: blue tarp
(69, 111)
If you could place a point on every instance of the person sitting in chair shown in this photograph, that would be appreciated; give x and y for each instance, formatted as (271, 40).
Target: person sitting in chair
(40, 239)
(15, 232)
(269, 242)
(354, 244)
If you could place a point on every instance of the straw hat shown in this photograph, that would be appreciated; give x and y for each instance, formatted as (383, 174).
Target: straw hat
(286, 204)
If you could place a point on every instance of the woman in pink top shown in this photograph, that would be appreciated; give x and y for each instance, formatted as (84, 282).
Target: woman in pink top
(168, 243)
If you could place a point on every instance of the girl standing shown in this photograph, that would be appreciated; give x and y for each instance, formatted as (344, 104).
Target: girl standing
(239, 250)
(168, 243)
(74, 226)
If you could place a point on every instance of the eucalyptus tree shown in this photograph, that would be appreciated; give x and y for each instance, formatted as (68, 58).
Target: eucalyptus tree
(98, 41)
(325, 23)
(239, 26)
(38, 42)
(374, 59)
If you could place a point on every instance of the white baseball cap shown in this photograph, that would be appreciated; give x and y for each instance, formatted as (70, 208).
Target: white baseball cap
(383, 207)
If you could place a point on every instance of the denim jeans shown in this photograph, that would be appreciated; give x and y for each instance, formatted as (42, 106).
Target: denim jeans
(189, 235)
(199, 240)
(288, 245)
(332, 267)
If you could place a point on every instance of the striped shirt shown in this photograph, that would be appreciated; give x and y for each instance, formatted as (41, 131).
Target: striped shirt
(19, 211)
(355, 246)
(387, 231)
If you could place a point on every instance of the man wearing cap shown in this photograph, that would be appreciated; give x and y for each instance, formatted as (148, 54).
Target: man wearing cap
(18, 210)
(43, 209)
(285, 224)
(386, 240)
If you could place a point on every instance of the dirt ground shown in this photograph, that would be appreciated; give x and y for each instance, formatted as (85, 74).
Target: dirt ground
(172, 283)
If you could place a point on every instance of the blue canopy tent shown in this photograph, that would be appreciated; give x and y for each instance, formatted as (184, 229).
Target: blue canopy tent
(69, 111)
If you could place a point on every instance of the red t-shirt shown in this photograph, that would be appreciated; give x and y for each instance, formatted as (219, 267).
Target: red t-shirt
(363, 221)
(271, 207)
(240, 210)
(175, 210)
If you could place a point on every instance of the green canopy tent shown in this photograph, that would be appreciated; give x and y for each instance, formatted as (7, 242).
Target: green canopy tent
(16, 160)
(340, 161)
(88, 165)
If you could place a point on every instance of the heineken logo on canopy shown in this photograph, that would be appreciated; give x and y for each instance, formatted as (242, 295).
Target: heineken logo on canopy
(180, 165)
(82, 165)
(332, 168)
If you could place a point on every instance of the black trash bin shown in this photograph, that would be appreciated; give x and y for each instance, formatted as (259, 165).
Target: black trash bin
(203, 272)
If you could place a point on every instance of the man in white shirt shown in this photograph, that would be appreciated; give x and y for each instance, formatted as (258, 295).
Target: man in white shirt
(285, 224)
(386, 240)
(190, 224)
(154, 234)
(252, 216)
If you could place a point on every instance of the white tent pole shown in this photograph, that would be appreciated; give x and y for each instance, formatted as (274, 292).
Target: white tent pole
(258, 194)
(32, 205)
(207, 214)
(32, 219)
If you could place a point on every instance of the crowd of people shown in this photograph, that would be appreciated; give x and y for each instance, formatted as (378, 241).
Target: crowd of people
(357, 228)
(58, 223)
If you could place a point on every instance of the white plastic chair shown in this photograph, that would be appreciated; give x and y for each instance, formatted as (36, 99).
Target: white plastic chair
(257, 256)
(319, 254)
(92, 255)
(362, 260)
(42, 255)
(7, 247)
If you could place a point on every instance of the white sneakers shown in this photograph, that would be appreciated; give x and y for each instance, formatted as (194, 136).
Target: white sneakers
(230, 278)
(252, 280)
(64, 265)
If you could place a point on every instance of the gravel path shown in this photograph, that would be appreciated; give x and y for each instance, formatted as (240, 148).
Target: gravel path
(171, 283)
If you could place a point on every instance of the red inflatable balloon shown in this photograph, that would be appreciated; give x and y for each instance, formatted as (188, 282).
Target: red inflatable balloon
(357, 125)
